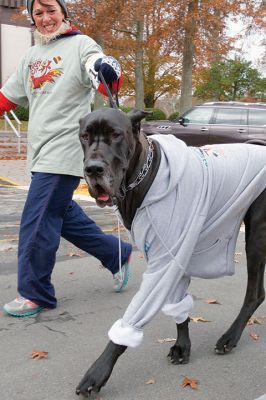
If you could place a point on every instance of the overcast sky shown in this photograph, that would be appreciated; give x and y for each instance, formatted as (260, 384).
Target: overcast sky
(250, 46)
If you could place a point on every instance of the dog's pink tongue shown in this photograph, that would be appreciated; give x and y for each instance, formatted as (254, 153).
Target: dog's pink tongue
(103, 197)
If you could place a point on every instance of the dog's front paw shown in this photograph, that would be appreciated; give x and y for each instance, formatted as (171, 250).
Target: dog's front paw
(91, 382)
(179, 354)
(99, 373)
(226, 343)
(94, 379)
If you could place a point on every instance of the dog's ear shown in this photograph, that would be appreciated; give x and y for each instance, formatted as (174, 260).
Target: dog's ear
(135, 117)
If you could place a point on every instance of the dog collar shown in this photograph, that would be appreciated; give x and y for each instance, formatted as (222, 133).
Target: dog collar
(143, 172)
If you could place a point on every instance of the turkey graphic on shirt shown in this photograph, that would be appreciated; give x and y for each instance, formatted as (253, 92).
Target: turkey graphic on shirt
(42, 72)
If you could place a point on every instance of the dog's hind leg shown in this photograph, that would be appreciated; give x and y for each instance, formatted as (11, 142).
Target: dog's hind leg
(180, 351)
(255, 226)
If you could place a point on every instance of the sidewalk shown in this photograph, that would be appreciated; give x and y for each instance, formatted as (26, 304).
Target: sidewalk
(15, 171)
(75, 333)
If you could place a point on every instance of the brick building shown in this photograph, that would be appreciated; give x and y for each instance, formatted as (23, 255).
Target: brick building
(15, 36)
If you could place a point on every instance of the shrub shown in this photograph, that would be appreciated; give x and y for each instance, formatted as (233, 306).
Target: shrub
(21, 112)
(173, 116)
(126, 109)
(157, 114)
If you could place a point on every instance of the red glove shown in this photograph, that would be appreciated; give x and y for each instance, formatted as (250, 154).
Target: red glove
(116, 85)
(112, 73)
(5, 104)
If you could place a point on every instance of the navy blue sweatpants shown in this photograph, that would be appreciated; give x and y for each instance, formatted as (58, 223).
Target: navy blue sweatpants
(48, 214)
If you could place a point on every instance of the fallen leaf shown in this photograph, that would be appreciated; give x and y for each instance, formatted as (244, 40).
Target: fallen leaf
(253, 321)
(82, 189)
(166, 340)
(150, 381)
(237, 257)
(193, 383)
(74, 255)
(199, 319)
(254, 336)
(83, 186)
(39, 354)
(121, 228)
(213, 301)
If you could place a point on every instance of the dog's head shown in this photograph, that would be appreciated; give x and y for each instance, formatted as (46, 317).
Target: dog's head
(108, 138)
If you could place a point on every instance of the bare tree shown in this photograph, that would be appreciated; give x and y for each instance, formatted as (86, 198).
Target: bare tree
(188, 56)
(139, 82)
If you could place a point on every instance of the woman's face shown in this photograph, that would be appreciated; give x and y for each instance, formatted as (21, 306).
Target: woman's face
(47, 15)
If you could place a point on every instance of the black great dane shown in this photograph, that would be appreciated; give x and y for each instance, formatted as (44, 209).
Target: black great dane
(184, 207)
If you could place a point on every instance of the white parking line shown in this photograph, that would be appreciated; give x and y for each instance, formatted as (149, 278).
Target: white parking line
(263, 397)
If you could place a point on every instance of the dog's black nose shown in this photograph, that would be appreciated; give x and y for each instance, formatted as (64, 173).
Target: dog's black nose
(94, 168)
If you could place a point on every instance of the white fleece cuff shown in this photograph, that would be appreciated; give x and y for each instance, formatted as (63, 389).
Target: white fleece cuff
(90, 68)
(179, 311)
(124, 334)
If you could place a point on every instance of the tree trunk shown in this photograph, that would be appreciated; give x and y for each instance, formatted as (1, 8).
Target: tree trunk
(98, 101)
(215, 37)
(149, 95)
(188, 55)
(149, 100)
(139, 81)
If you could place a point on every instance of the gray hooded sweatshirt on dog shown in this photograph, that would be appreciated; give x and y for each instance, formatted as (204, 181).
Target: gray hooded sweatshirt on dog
(187, 226)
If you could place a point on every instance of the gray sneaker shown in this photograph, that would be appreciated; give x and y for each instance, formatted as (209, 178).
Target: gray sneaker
(21, 307)
(121, 278)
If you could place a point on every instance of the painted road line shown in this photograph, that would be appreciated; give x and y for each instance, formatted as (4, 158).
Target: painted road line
(6, 182)
(81, 193)
(263, 397)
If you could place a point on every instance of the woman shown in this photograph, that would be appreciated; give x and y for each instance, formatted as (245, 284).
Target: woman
(55, 79)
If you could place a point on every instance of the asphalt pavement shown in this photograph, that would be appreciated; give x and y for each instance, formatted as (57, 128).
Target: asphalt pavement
(75, 333)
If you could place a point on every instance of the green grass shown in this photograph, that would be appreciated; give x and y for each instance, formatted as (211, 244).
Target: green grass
(23, 126)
